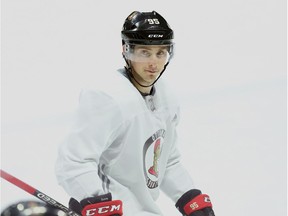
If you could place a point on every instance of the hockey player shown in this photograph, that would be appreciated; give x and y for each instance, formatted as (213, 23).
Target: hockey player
(122, 150)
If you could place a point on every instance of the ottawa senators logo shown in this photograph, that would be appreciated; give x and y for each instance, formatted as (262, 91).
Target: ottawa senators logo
(151, 155)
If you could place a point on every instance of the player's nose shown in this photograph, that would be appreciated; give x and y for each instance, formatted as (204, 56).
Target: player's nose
(153, 61)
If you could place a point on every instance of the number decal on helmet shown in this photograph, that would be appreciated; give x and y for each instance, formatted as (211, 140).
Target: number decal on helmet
(153, 21)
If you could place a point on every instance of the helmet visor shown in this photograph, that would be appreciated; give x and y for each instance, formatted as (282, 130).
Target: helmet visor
(148, 53)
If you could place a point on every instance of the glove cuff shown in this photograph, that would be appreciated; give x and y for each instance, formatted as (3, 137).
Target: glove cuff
(199, 202)
(103, 208)
(192, 201)
(99, 205)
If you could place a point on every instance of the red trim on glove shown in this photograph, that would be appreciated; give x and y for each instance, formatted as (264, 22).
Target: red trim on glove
(109, 208)
(199, 202)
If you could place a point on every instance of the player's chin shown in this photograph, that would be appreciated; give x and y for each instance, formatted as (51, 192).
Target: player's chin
(150, 80)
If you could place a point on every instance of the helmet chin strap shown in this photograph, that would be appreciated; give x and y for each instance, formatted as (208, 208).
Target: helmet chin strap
(131, 76)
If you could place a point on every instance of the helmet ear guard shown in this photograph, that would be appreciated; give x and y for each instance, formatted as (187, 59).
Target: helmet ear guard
(128, 47)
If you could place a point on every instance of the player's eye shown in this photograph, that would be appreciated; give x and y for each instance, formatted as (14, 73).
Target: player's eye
(162, 53)
(144, 53)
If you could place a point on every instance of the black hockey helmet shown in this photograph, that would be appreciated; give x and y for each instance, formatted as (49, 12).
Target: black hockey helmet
(146, 28)
(31, 208)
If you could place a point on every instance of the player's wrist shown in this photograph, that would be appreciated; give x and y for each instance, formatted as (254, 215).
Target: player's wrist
(194, 203)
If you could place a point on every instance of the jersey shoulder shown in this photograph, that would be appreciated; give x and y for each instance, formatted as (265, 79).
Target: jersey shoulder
(116, 90)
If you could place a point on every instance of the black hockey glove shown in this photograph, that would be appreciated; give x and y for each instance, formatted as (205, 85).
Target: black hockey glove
(194, 203)
(95, 206)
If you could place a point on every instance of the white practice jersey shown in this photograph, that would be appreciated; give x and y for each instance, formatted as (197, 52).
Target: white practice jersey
(126, 144)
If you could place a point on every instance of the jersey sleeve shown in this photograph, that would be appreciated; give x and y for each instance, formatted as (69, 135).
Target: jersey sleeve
(77, 165)
(177, 180)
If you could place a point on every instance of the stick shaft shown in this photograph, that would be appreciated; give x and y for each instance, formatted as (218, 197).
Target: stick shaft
(31, 190)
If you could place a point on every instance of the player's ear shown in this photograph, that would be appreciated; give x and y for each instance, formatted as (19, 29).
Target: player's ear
(124, 49)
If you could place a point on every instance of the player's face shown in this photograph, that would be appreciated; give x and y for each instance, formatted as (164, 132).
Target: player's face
(148, 62)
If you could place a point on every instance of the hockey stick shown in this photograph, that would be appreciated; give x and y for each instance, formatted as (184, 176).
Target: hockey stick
(40, 195)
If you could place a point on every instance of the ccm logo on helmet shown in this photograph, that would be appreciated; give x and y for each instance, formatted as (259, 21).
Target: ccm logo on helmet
(155, 35)
(102, 210)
